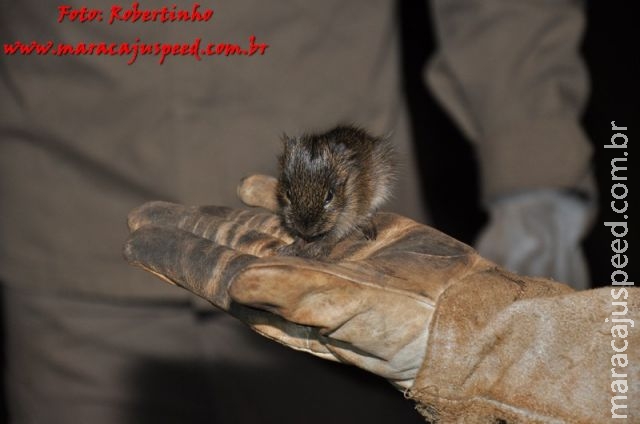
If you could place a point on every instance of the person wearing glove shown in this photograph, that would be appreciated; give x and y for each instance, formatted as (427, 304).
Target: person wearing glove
(84, 139)
(469, 341)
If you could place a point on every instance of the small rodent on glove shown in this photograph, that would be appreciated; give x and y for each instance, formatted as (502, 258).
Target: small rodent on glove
(330, 185)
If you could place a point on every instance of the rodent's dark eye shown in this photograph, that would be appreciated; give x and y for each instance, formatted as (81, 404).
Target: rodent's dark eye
(328, 198)
(288, 194)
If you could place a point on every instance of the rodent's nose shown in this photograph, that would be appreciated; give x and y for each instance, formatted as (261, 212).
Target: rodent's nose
(306, 228)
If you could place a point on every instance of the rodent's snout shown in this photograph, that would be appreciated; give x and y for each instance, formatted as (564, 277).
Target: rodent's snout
(308, 229)
(314, 237)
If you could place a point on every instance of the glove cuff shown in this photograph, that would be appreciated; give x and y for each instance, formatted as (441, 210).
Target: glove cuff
(489, 357)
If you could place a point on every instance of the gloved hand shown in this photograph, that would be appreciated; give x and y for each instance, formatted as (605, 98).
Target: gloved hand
(470, 341)
(370, 305)
(539, 233)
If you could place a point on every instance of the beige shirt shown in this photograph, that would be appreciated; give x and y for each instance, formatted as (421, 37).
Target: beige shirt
(84, 139)
(511, 75)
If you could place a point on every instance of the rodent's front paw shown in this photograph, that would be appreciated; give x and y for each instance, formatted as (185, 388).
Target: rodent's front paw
(292, 249)
(299, 248)
(369, 230)
(315, 250)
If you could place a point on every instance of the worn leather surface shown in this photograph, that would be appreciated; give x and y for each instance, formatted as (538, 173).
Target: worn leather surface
(505, 347)
(471, 342)
(368, 304)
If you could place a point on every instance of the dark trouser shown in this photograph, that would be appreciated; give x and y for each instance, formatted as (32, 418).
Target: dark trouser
(73, 360)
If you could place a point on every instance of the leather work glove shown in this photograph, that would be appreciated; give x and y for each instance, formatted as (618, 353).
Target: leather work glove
(467, 340)
(539, 233)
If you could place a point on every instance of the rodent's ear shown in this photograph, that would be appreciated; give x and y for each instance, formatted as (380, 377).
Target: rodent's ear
(339, 147)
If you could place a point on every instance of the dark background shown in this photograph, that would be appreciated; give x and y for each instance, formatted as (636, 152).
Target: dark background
(611, 52)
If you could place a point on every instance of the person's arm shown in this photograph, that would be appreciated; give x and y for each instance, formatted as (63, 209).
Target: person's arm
(467, 340)
(511, 76)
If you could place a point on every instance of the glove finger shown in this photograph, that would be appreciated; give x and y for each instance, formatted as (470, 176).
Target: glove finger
(248, 230)
(365, 324)
(314, 294)
(290, 334)
(259, 190)
(207, 270)
(168, 214)
(183, 259)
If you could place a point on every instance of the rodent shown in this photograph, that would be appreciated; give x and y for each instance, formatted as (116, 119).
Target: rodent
(330, 185)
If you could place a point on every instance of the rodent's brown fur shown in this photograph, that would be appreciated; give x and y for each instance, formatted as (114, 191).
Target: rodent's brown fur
(330, 185)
